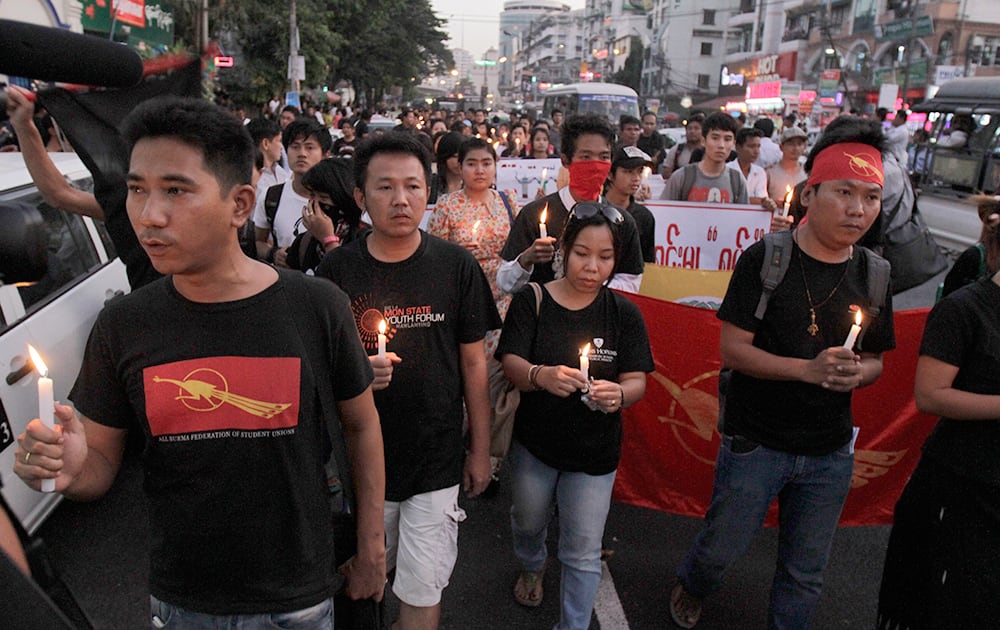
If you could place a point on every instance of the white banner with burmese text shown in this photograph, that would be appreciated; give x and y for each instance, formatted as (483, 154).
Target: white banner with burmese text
(706, 236)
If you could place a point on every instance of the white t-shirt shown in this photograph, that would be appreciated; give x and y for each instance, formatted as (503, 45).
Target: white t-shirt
(287, 217)
(756, 182)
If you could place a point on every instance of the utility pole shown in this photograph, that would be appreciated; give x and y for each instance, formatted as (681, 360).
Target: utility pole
(293, 47)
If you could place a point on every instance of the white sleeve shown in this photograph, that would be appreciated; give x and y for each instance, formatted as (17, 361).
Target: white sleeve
(627, 282)
(511, 276)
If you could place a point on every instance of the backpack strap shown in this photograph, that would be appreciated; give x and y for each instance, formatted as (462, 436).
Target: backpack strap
(879, 271)
(271, 199)
(690, 175)
(506, 204)
(777, 257)
(982, 260)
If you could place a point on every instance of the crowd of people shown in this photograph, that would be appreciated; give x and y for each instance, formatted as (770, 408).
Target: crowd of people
(301, 338)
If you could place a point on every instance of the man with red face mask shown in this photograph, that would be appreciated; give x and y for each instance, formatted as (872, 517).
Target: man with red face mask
(587, 140)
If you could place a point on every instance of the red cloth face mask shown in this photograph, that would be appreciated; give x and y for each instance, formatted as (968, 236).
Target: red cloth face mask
(586, 179)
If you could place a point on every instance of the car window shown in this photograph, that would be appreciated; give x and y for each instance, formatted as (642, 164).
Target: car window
(72, 254)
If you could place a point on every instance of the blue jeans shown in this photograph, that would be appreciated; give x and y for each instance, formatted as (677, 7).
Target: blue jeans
(584, 501)
(811, 492)
(164, 615)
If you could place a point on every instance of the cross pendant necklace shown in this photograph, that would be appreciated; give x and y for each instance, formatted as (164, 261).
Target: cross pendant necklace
(813, 328)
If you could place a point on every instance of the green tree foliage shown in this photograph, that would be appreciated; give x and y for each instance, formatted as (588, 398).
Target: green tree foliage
(631, 72)
(374, 44)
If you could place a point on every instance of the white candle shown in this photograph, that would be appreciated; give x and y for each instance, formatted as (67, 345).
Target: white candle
(788, 201)
(46, 404)
(381, 339)
(855, 331)
(585, 361)
(545, 177)
(542, 231)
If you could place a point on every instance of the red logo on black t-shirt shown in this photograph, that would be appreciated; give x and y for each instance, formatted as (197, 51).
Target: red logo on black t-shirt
(222, 393)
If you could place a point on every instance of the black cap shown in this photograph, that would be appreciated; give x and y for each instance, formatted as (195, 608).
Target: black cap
(630, 157)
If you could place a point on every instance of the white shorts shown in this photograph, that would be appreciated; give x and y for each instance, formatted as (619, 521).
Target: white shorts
(421, 543)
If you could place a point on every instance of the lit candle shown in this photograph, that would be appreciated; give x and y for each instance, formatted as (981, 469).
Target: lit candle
(542, 231)
(496, 145)
(585, 361)
(46, 403)
(788, 201)
(855, 330)
(646, 171)
(475, 229)
(545, 177)
(381, 339)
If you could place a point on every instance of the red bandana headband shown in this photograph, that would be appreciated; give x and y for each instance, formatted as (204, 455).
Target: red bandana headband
(847, 160)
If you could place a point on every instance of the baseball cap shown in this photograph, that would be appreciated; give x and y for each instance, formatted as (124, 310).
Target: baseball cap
(790, 133)
(630, 157)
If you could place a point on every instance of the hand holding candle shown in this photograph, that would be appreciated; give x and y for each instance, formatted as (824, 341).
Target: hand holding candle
(852, 336)
(788, 201)
(542, 230)
(46, 404)
(381, 339)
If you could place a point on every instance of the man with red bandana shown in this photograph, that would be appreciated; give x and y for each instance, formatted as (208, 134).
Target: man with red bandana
(587, 140)
(787, 430)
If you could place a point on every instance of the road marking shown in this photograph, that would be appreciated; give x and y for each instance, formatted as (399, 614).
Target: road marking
(607, 606)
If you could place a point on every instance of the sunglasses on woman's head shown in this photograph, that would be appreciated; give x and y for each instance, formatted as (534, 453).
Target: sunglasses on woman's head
(587, 209)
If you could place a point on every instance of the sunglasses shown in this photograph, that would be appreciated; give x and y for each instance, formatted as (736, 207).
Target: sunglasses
(588, 209)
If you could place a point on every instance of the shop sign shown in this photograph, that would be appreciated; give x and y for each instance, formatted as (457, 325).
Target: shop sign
(943, 74)
(904, 29)
(764, 89)
(150, 22)
(733, 78)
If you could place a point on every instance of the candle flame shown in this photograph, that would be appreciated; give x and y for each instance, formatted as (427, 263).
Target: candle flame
(544, 214)
(36, 360)
(545, 173)
(585, 351)
(381, 327)
(505, 135)
(788, 195)
(857, 317)
(496, 145)
(475, 226)
(646, 172)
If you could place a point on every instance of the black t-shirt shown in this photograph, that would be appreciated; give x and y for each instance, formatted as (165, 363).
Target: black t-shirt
(562, 432)
(645, 224)
(433, 301)
(964, 330)
(965, 270)
(525, 230)
(235, 444)
(344, 148)
(793, 416)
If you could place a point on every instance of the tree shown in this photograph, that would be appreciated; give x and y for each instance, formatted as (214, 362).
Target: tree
(631, 72)
(372, 43)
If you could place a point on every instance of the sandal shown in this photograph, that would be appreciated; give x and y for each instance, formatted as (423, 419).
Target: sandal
(528, 589)
(685, 608)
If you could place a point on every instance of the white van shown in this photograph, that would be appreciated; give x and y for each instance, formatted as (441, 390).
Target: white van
(54, 315)
(607, 99)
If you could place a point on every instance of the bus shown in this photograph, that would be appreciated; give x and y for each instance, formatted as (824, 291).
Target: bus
(607, 99)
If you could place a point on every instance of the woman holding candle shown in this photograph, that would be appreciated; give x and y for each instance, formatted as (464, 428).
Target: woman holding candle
(567, 432)
(478, 217)
(941, 568)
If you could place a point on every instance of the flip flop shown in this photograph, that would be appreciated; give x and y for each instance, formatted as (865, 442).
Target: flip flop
(528, 590)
